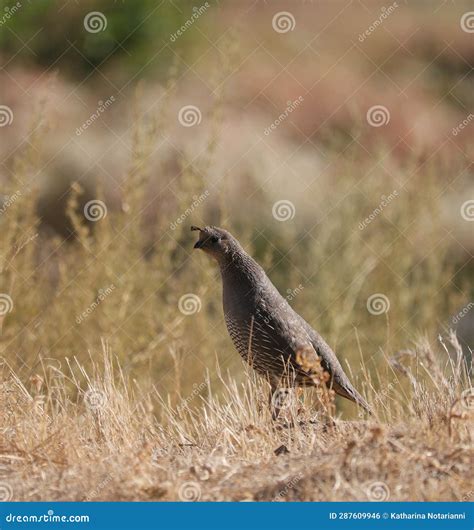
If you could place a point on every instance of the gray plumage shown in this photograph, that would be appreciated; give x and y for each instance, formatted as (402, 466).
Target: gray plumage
(264, 328)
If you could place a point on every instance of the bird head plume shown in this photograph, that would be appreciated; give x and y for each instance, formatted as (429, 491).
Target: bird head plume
(229, 254)
(216, 242)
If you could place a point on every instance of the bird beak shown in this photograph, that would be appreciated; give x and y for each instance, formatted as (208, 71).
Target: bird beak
(198, 244)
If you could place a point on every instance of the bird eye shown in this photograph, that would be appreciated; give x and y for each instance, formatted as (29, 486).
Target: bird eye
(214, 239)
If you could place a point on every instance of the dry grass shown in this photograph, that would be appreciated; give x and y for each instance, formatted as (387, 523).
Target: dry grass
(105, 443)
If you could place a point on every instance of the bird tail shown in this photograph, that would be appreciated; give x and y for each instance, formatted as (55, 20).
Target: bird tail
(351, 393)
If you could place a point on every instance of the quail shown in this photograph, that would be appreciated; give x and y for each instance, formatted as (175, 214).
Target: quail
(265, 330)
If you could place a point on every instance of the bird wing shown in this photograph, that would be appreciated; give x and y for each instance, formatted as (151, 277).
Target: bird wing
(306, 349)
(287, 336)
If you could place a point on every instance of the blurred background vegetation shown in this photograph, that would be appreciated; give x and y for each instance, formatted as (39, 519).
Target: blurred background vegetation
(148, 170)
(134, 32)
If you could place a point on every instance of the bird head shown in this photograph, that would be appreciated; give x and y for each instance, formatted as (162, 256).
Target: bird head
(214, 241)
